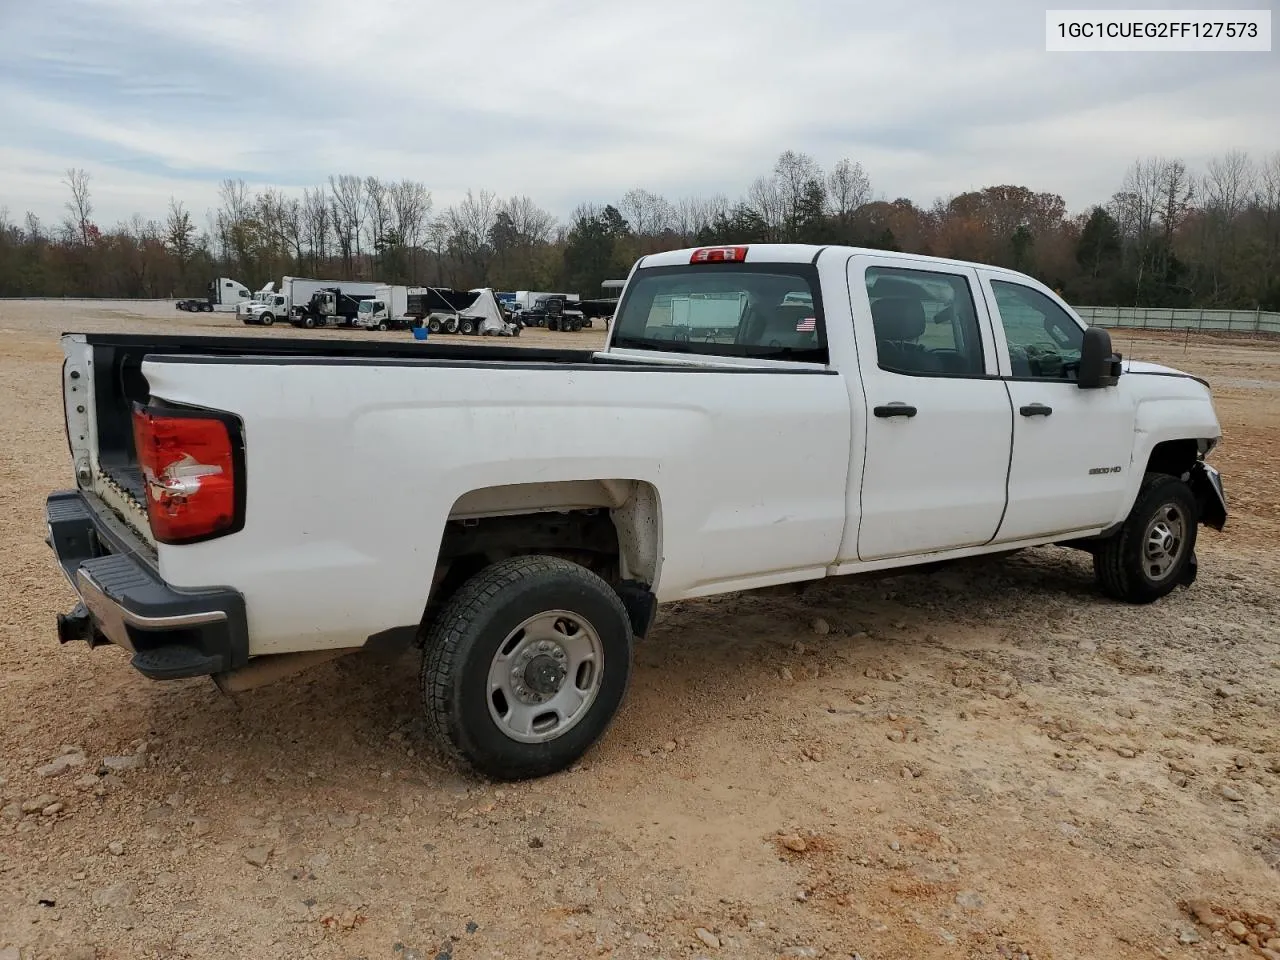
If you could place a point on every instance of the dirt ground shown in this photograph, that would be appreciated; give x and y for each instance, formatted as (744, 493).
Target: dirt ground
(991, 762)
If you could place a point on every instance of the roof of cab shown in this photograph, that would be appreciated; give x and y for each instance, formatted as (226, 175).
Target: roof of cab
(808, 253)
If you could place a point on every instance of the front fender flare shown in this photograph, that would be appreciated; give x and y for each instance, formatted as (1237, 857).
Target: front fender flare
(1206, 484)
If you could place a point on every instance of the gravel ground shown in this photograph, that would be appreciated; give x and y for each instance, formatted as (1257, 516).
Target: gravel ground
(992, 761)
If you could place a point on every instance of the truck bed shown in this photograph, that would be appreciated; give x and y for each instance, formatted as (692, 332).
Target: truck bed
(118, 380)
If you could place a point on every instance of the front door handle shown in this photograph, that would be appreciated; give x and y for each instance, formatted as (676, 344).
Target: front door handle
(1035, 410)
(895, 409)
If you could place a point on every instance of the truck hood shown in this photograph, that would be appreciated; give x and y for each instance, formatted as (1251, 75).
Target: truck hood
(1159, 370)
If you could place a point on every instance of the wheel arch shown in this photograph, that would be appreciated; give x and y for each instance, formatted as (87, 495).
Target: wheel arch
(1176, 452)
(610, 525)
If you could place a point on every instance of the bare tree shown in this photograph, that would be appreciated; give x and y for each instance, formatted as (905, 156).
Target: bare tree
(533, 224)
(470, 223)
(437, 236)
(1267, 204)
(848, 188)
(1228, 188)
(794, 172)
(766, 197)
(691, 215)
(1175, 192)
(179, 232)
(649, 214)
(80, 206)
(410, 210)
(348, 209)
(377, 211)
(315, 219)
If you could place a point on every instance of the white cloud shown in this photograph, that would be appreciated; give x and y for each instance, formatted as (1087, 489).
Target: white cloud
(567, 102)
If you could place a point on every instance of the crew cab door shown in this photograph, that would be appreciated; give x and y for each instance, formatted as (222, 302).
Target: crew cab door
(1072, 448)
(939, 424)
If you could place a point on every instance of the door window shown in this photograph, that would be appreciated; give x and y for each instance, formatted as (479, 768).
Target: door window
(1044, 340)
(925, 323)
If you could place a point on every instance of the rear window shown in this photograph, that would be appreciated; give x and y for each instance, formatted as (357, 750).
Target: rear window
(760, 310)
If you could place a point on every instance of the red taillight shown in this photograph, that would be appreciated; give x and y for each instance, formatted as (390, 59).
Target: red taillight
(189, 469)
(719, 255)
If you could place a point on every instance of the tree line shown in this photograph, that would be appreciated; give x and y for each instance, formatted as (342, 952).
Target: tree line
(1170, 236)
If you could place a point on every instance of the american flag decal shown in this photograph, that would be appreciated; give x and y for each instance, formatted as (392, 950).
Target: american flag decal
(807, 325)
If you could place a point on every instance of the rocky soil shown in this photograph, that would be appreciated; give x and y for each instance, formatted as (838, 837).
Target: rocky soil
(990, 762)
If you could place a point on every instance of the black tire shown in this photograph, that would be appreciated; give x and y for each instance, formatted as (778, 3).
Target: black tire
(553, 325)
(434, 324)
(451, 325)
(267, 319)
(1122, 563)
(383, 326)
(465, 636)
(308, 322)
(575, 325)
(466, 327)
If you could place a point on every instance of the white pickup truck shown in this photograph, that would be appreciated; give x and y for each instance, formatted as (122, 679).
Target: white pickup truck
(245, 507)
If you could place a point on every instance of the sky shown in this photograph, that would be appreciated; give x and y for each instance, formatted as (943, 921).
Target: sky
(569, 102)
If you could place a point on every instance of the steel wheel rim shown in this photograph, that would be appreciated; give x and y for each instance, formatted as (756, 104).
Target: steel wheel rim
(545, 676)
(1164, 541)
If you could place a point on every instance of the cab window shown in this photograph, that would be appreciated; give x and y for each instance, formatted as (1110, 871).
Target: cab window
(768, 311)
(925, 323)
(1044, 340)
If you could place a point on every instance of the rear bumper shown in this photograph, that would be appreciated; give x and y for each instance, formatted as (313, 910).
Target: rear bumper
(170, 633)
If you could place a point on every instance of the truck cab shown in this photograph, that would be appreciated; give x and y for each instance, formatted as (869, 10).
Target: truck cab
(224, 296)
(329, 305)
(266, 311)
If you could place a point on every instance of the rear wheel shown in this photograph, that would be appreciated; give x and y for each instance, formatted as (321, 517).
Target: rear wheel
(467, 327)
(1150, 554)
(434, 324)
(525, 667)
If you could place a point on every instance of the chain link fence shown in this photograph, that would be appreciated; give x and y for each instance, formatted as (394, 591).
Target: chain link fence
(1248, 322)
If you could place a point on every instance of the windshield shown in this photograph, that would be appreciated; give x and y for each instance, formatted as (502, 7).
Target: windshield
(766, 311)
(368, 306)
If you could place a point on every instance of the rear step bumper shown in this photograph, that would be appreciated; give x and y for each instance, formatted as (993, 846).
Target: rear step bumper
(171, 633)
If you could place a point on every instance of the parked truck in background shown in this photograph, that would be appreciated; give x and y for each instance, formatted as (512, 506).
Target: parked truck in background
(224, 296)
(332, 305)
(868, 411)
(394, 307)
(270, 305)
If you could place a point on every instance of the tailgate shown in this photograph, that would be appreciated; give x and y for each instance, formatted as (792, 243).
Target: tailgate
(99, 386)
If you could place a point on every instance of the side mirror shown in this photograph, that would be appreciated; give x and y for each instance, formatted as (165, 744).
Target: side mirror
(1099, 366)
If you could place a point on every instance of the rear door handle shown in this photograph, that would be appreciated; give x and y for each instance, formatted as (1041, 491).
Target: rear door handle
(895, 409)
(1035, 410)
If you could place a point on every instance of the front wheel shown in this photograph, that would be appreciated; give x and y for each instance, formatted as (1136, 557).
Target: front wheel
(1154, 548)
(383, 326)
(525, 667)
(267, 319)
